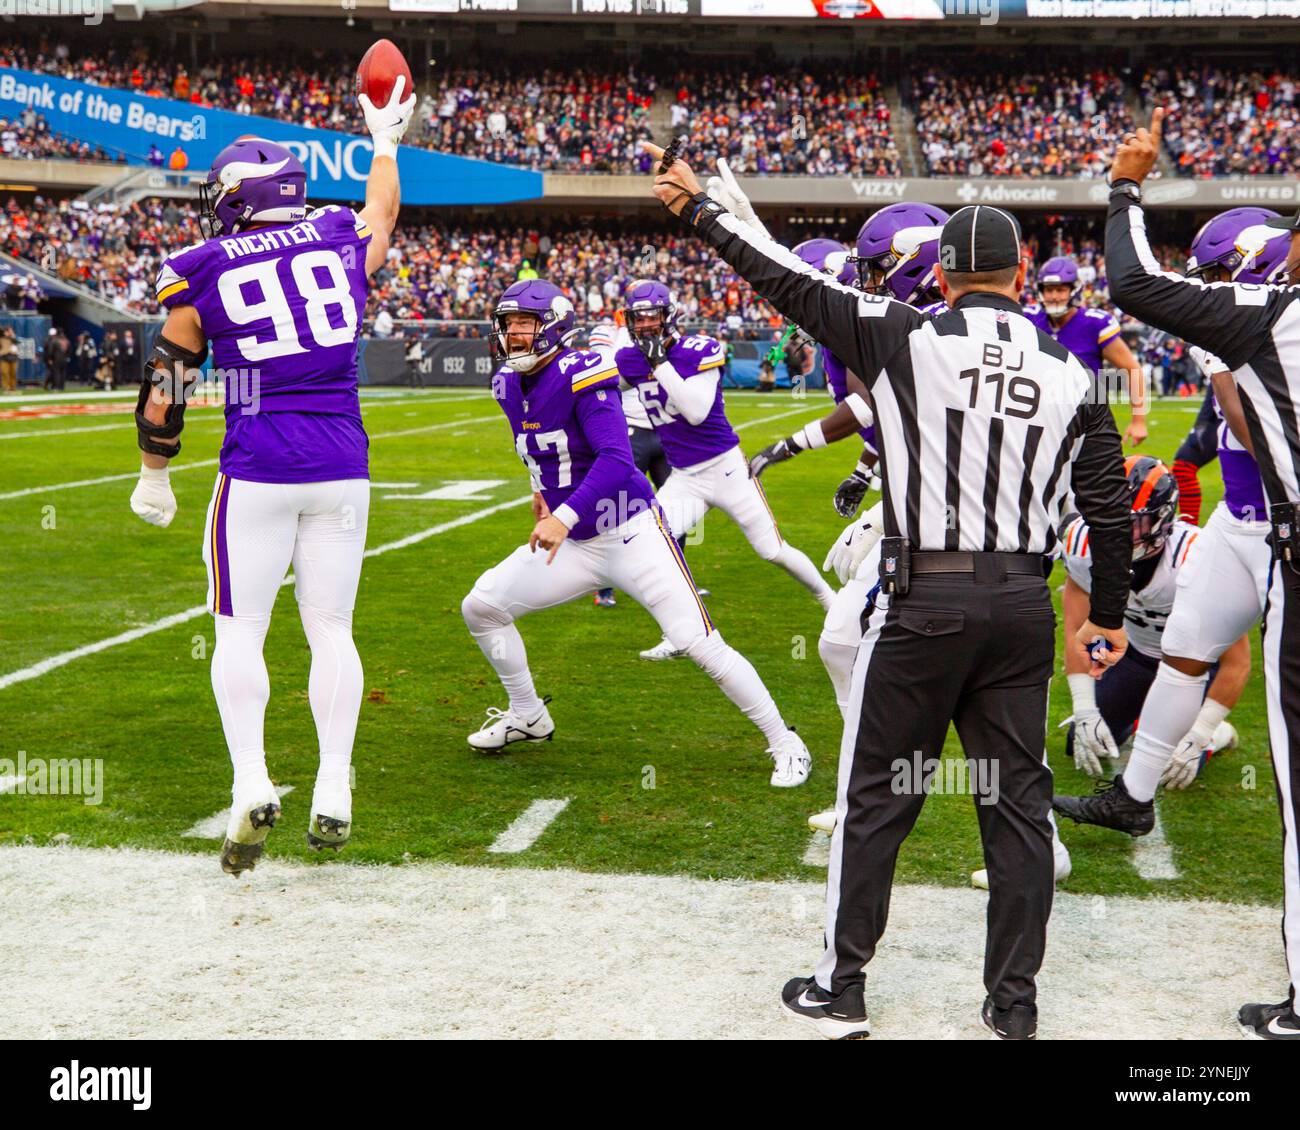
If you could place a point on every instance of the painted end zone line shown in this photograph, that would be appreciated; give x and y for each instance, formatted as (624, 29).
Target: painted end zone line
(47, 665)
(531, 823)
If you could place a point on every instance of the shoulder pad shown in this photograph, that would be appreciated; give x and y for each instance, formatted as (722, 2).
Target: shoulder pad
(323, 210)
(588, 368)
(172, 285)
(1094, 312)
(704, 352)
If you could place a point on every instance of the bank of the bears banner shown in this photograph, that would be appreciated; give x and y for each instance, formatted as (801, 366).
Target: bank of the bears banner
(128, 124)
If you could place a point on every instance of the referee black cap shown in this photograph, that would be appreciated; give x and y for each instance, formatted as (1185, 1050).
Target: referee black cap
(1288, 224)
(979, 238)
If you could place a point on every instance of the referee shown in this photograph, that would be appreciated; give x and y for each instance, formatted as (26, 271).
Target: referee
(984, 426)
(1256, 331)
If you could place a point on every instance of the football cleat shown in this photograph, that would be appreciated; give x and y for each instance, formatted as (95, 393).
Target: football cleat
(1061, 871)
(834, 1018)
(823, 822)
(791, 761)
(252, 816)
(1110, 806)
(331, 815)
(505, 727)
(1269, 1021)
(664, 649)
(1019, 1022)
(604, 599)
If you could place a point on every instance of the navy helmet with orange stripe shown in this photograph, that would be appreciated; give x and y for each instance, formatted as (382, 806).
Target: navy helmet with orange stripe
(1153, 496)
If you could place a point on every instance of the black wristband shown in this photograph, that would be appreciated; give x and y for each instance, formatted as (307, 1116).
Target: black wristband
(701, 207)
(1129, 188)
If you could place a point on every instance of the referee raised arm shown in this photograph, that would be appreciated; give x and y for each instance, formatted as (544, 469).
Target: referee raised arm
(1255, 329)
(984, 424)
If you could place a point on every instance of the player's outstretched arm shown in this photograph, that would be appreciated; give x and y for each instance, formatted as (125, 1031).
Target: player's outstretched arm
(1225, 392)
(387, 125)
(1118, 355)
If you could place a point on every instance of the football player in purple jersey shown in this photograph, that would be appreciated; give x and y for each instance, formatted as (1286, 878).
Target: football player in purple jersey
(1092, 335)
(278, 292)
(676, 377)
(597, 524)
(1220, 593)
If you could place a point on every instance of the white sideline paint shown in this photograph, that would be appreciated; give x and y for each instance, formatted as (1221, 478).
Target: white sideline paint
(212, 462)
(9, 783)
(528, 826)
(163, 945)
(1153, 858)
(47, 665)
(214, 826)
(818, 851)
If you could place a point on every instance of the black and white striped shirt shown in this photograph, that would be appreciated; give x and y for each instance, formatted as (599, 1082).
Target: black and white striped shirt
(984, 424)
(1254, 329)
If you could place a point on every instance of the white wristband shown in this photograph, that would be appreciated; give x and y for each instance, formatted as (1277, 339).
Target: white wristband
(810, 436)
(160, 473)
(1207, 721)
(383, 147)
(566, 514)
(1083, 690)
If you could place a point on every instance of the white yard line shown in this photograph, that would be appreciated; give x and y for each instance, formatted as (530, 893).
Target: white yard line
(818, 851)
(531, 823)
(162, 945)
(212, 462)
(769, 419)
(1153, 858)
(55, 661)
(214, 827)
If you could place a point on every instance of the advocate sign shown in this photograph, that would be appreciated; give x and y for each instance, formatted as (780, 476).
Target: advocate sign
(127, 124)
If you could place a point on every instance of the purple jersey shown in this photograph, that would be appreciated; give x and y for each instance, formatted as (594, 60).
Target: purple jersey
(1085, 333)
(837, 381)
(685, 444)
(1243, 489)
(282, 307)
(571, 434)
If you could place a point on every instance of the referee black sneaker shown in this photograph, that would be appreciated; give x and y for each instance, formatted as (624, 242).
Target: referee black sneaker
(835, 1018)
(1019, 1022)
(1110, 806)
(1269, 1021)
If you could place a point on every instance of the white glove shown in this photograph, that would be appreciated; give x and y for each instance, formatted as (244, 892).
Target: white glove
(724, 189)
(852, 546)
(388, 123)
(1188, 754)
(152, 498)
(1092, 737)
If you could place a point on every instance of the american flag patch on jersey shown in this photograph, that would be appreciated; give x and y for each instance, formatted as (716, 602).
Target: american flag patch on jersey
(287, 189)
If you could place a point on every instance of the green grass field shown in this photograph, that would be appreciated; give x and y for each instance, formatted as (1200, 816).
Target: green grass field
(77, 567)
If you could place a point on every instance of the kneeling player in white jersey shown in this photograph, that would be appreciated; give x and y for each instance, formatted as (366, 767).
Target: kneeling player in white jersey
(597, 517)
(677, 379)
(1106, 711)
(279, 293)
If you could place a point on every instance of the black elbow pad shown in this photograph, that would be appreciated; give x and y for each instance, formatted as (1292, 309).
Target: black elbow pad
(173, 369)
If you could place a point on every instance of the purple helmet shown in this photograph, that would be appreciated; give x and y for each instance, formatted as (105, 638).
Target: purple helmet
(1238, 243)
(900, 243)
(1061, 271)
(554, 313)
(645, 296)
(252, 181)
(829, 256)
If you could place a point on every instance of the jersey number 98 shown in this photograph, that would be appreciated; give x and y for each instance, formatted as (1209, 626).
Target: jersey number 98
(321, 284)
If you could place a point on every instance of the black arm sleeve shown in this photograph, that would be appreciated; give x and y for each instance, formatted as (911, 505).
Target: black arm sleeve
(864, 331)
(1101, 494)
(1229, 319)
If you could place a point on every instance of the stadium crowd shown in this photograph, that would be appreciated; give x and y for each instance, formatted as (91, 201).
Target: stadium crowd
(977, 120)
(29, 138)
(1228, 121)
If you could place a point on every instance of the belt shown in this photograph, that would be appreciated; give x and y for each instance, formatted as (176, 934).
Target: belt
(963, 561)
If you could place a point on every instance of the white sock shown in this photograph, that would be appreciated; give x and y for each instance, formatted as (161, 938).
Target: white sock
(242, 689)
(334, 688)
(1170, 708)
(740, 683)
(838, 659)
(503, 646)
(796, 563)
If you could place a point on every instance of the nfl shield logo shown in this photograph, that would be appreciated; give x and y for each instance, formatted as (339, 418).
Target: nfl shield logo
(891, 564)
(600, 395)
(1284, 531)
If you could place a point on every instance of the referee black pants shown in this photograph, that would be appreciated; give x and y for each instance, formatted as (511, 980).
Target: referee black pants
(1281, 646)
(976, 650)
